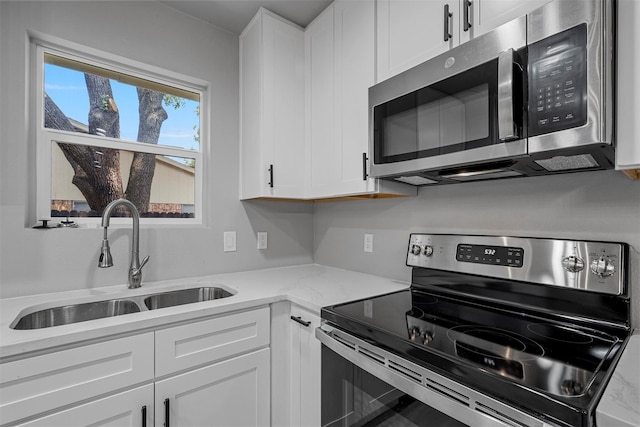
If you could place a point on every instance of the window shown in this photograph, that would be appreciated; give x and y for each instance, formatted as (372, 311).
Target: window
(110, 128)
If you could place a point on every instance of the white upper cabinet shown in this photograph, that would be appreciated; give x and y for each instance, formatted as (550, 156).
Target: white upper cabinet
(628, 111)
(411, 31)
(340, 69)
(272, 108)
(485, 15)
(340, 59)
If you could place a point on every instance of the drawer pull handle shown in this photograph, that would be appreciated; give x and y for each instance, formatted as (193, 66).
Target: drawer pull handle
(144, 416)
(299, 320)
(166, 413)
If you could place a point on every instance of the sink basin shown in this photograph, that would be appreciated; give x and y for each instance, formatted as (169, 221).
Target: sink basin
(75, 313)
(184, 296)
(82, 312)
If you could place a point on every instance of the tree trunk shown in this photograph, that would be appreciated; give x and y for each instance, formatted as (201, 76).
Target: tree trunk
(103, 114)
(152, 115)
(96, 171)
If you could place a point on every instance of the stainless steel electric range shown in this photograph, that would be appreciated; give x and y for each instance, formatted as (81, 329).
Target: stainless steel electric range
(493, 331)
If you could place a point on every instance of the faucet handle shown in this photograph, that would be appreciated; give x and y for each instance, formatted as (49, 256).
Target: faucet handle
(144, 261)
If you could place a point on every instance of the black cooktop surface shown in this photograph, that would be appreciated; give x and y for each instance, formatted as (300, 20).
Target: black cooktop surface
(542, 354)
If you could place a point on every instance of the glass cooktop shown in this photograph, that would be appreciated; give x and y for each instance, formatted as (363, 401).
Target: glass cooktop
(539, 353)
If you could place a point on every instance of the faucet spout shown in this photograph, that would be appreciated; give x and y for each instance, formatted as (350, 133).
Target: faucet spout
(135, 268)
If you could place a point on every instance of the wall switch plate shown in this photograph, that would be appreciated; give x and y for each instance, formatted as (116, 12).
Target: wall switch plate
(262, 240)
(368, 242)
(229, 241)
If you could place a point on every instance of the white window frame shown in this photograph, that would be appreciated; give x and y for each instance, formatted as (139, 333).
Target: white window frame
(45, 138)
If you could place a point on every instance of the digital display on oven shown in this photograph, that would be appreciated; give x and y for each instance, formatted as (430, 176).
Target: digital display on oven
(493, 361)
(492, 255)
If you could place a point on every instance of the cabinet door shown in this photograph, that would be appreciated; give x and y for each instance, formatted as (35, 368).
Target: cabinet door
(235, 392)
(133, 408)
(411, 31)
(283, 107)
(628, 111)
(271, 108)
(305, 369)
(355, 73)
(341, 65)
(320, 129)
(486, 15)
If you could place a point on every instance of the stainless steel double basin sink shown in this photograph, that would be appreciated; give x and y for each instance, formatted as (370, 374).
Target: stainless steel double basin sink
(82, 312)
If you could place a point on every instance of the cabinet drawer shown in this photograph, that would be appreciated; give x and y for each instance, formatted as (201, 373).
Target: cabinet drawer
(42, 383)
(122, 410)
(194, 344)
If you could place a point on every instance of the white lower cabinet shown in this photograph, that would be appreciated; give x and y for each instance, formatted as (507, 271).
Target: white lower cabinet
(132, 408)
(214, 372)
(305, 375)
(234, 392)
(45, 383)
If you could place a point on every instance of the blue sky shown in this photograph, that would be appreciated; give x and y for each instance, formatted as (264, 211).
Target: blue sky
(68, 90)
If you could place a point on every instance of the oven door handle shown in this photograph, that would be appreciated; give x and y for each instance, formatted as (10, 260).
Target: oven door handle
(507, 127)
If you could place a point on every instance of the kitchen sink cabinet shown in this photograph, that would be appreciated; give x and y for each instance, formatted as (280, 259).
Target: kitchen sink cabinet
(411, 31)
(44, 383)
(305, 375)
(271, 108)
(340, 61)
(122, 409)
(208, 372)
(234, 392)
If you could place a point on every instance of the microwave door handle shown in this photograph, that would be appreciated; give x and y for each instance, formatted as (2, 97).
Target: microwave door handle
(507, 128)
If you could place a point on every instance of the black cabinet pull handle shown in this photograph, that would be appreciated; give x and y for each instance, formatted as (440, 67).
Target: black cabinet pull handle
(166, 413)
(144, 416)
(271, 176)
(447, 16)
(299, 320)
(365, 175)
(465, 11)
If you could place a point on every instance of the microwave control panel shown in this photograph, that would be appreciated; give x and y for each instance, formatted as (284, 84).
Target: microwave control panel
(558, 82)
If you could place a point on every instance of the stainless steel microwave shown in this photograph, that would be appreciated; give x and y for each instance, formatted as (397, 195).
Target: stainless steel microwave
(532, 97)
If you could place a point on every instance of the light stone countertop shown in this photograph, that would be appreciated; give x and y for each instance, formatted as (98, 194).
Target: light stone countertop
(310, 286)
(620, 404)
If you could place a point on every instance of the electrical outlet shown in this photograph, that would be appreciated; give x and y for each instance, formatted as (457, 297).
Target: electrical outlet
(368, 242)
(262, 240)
(229, 241)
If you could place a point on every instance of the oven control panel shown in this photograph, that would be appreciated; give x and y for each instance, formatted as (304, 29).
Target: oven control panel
(583, 265)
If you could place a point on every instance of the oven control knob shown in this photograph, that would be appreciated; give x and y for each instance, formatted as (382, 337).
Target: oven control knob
(572, 264)
(602, 267)
(427, 337)
(428, 250)
(414, 333)
(416, 249)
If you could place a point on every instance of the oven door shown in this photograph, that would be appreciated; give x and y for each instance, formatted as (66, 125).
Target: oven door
(463, 107)
(351, 396)
(363, 384)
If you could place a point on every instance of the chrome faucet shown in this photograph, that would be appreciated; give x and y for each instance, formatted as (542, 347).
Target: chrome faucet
(135, 269)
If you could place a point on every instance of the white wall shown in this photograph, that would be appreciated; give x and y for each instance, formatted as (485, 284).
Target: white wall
(601, 206)
(35, 261)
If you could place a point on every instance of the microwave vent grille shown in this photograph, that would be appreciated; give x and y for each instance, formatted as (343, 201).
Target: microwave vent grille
(561, 163)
